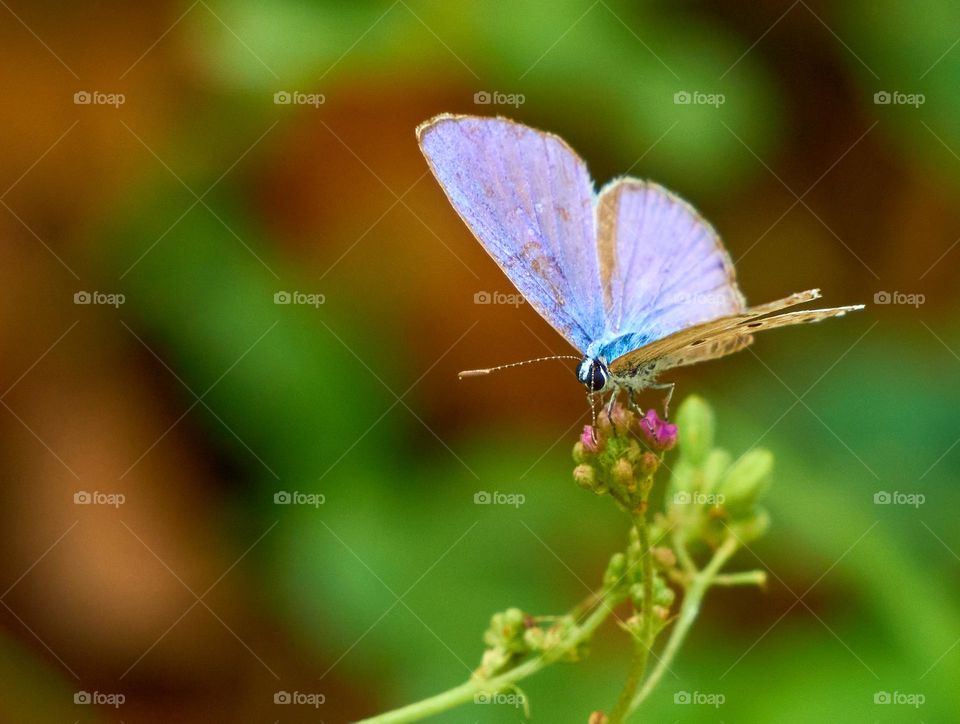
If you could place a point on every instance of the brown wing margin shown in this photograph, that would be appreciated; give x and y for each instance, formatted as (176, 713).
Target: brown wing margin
(725, 335)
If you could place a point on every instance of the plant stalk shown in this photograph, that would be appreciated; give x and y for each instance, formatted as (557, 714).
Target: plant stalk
(466, 692)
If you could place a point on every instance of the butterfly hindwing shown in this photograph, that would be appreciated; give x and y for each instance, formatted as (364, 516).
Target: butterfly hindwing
(528, 199)
(720, 337)
(662, 267)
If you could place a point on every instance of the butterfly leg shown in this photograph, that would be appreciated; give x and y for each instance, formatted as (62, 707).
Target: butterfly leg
(634, 405)
(591, 400)
(668, 386)
(612, 402)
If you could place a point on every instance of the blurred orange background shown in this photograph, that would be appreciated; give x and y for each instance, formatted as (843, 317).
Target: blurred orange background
(179, 194)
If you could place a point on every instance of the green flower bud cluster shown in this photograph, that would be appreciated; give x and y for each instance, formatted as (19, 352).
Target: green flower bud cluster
(709, 491)
(513, 634)
(625, 572)
(505, 641)
(620, 455)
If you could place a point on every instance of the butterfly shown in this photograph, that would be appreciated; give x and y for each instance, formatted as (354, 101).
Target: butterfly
(633, 277)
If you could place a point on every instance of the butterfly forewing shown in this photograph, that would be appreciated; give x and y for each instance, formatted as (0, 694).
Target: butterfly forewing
(528, 199)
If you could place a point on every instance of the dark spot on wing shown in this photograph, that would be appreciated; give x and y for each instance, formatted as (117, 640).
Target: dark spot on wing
(563, 213)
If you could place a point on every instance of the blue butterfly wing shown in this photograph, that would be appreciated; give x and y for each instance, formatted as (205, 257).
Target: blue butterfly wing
(662, 267)
(529, 200)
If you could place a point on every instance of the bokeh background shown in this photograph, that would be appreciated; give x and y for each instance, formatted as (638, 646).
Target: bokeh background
(186, 188)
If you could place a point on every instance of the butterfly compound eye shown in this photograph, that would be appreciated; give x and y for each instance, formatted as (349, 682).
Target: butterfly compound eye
(592, 373)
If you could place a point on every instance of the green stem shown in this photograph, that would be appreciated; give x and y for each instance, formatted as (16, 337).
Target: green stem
(693, 597)
(683, 555)
(643, 643)
(746, 578)
(467, 691)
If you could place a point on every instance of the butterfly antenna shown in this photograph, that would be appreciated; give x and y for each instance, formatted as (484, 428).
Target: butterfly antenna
(488, 370)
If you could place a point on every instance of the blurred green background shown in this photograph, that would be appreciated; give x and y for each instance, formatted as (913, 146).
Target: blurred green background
(199, 198)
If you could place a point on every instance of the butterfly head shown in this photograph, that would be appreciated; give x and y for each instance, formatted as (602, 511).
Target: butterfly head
(593, 374)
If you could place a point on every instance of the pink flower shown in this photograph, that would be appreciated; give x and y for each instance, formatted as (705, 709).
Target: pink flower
(661, 434)
(589, 440)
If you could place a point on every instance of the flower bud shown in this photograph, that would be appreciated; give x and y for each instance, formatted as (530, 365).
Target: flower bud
(534, 638)
(661, 434)
(663, 557)
(493, 660)
(621, 417)
(604, 428)
(649, 462)
(590, 439)
(751, 528)
(717, 463)
(663, 595)
(506, 631)
(622, 474)
(684, 477)
(697, 426)
(580, 454)
(615, 570)
(585, 476)
(746, 481)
